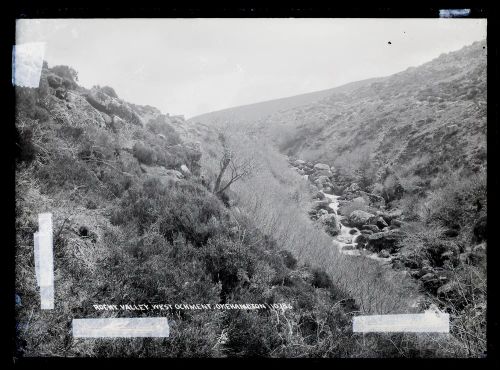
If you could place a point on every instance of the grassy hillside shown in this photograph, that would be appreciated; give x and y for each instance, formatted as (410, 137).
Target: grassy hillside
(257, 111)
(423, 118)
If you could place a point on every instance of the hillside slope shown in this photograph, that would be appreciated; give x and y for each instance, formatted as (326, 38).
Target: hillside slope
(257, 111)
(426, 117)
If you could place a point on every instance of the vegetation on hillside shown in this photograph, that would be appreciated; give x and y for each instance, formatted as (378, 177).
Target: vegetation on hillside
(413, 145)
(132, 226)
(152, 209)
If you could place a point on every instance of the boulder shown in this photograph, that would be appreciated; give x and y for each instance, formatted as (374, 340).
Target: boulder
(321, 166)
(326, 173)
(396, 213)
(372, 228)
(322, 180)
(106, 118)
(331, 224)
(384, 240)
(319, 195)
(185, 170)
(449, 290)
(396, 223)
(384, 253)
(174, 173)
(352, 231)
(360, 200)
(380, 222)
(373, 198)
(299, 163)
(328, 190)
(352, 188)
(366, 232)
(322, 204)
(359, 218)
(322, 212)
(428, 277)
(361, 241)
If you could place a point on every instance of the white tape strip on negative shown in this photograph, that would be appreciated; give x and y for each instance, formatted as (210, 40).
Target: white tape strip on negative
(37, 258)
(430, 321)
(27, 63)
(121, 327)
(45, 260)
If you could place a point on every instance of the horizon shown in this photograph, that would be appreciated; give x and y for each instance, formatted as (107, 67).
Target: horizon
(221, 64)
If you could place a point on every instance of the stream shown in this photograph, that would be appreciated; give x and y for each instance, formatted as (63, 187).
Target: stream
(345, 240)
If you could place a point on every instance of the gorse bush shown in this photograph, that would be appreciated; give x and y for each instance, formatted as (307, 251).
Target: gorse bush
(460, 202)
(144, 154)
(68, 74)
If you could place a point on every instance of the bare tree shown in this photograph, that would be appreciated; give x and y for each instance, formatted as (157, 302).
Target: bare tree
(237, 167)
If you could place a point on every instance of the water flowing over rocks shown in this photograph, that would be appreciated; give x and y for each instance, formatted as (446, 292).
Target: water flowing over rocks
(358, 233)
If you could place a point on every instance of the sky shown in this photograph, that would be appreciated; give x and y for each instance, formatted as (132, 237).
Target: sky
(194, 66)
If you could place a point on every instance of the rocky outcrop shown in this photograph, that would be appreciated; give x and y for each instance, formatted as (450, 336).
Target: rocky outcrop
(321, 166)
(332, 226)
(379, 222)
(74, 111)
(359, 218)
(361, 240)
(372, 228)
(384, 240)
(112, 106)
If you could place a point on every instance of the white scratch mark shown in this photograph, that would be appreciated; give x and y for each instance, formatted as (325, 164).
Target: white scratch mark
(45, 260)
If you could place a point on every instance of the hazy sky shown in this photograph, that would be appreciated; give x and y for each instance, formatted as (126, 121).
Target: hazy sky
(193, 66)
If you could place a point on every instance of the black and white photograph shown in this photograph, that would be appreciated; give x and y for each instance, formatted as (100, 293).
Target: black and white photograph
(241, 187)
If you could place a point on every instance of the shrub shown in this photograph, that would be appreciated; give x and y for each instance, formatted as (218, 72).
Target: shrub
(159, 125)
(109, 91)
(460, 202)
(68, 74)
(321, 279)
(289, 260)
(144, 154)
(393, 190)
